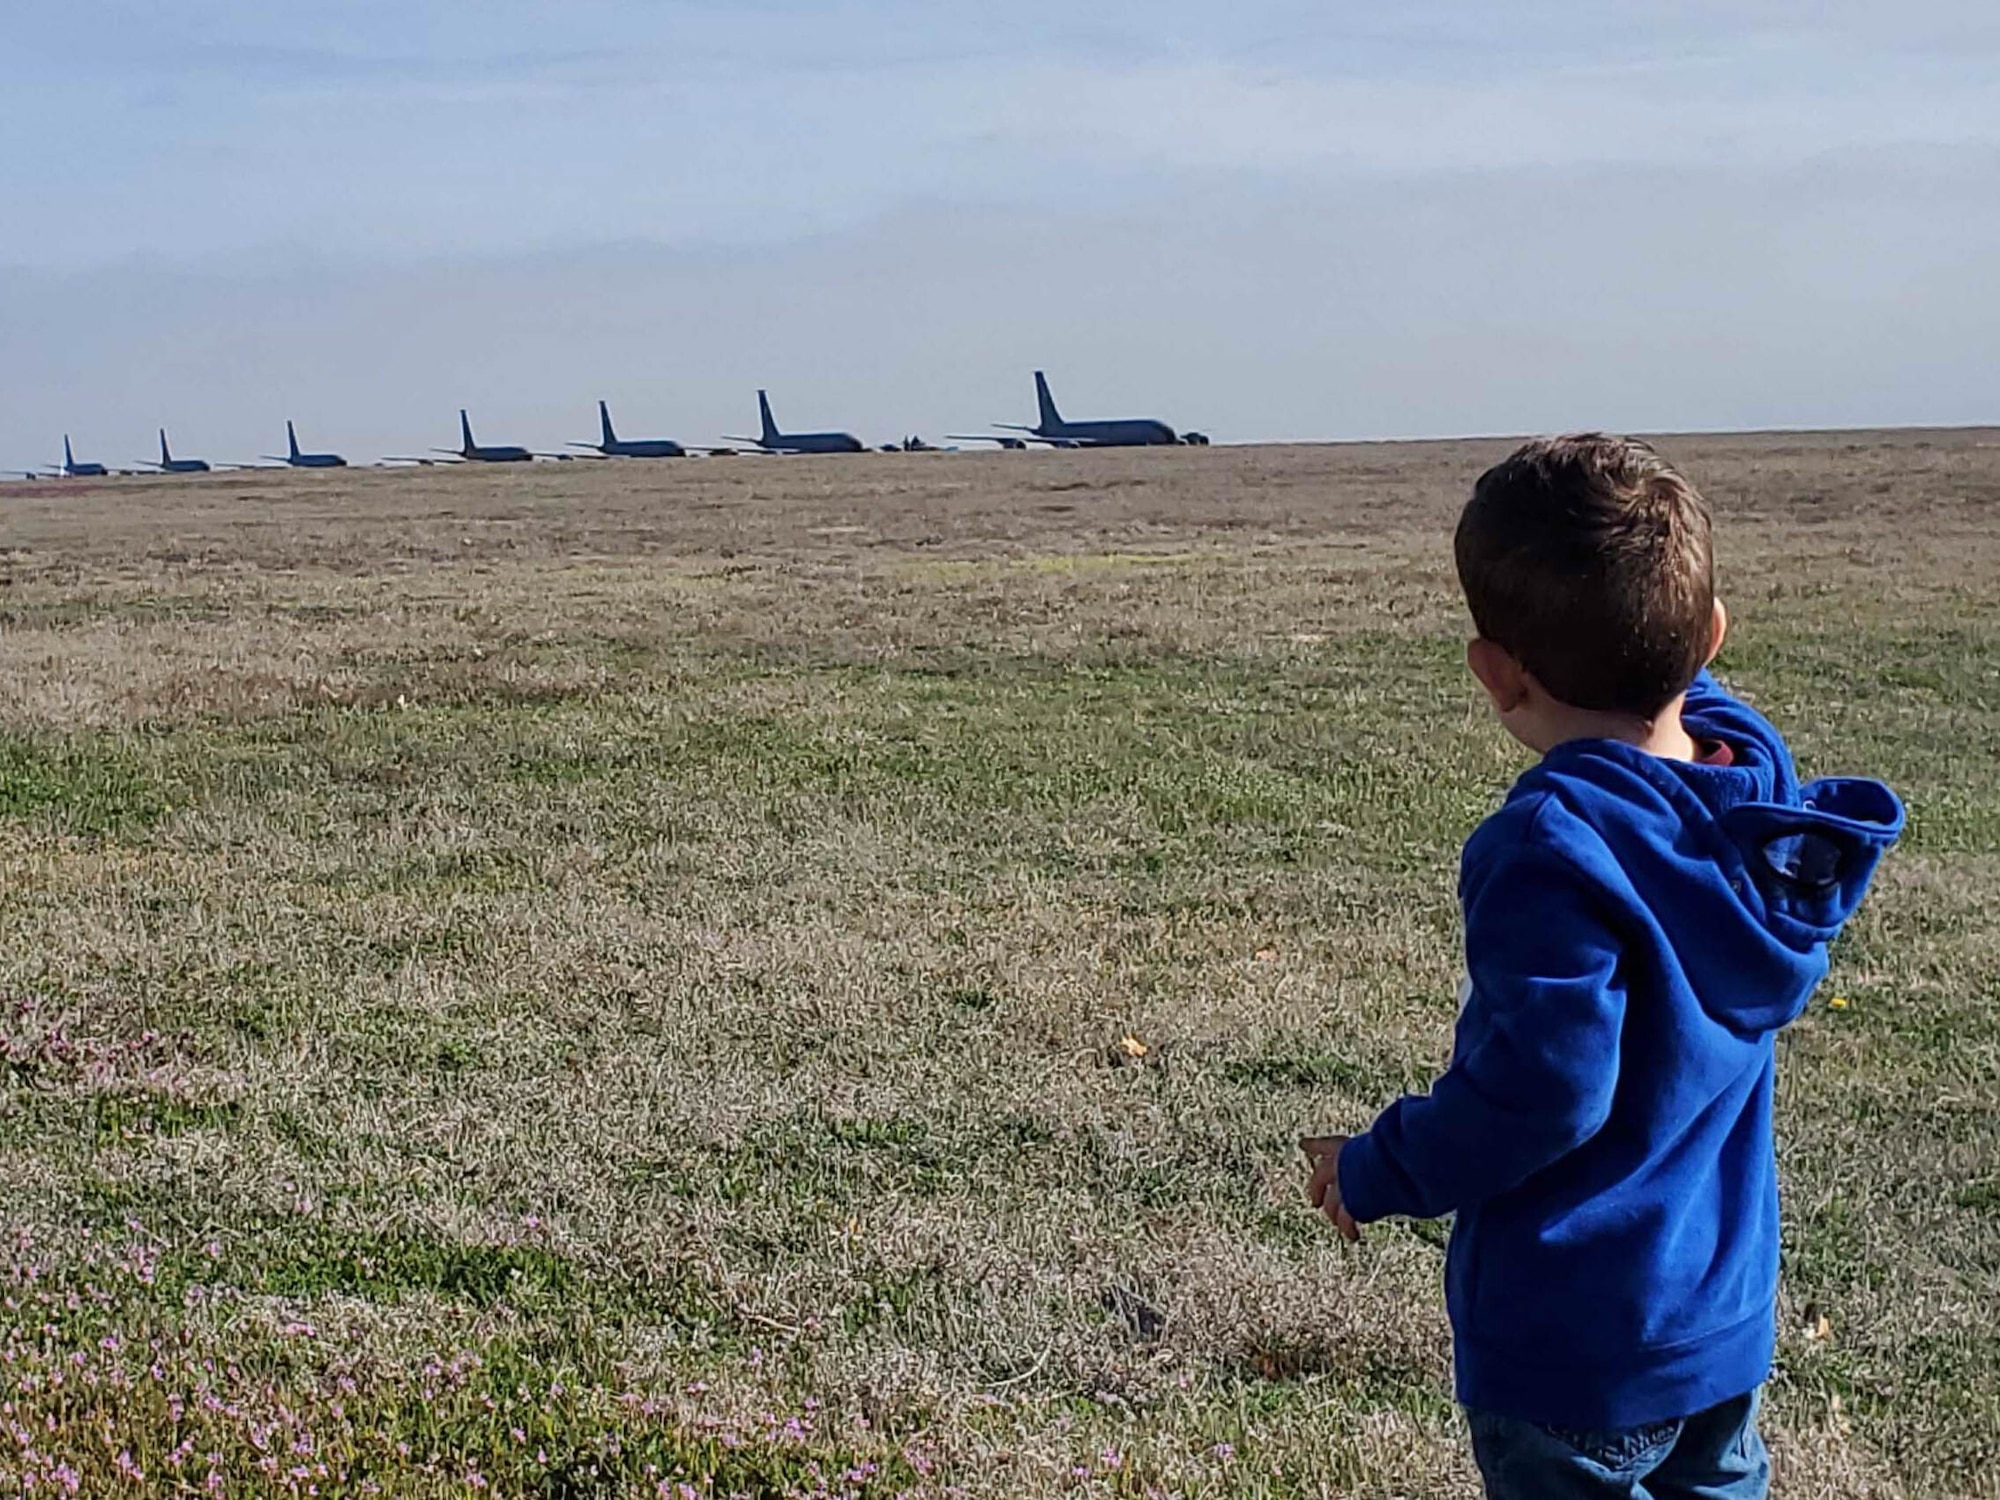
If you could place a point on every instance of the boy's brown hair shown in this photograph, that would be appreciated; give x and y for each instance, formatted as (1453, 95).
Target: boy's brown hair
(1586, 558)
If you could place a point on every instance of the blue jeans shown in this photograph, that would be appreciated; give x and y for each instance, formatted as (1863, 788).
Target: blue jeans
(1713, 1455)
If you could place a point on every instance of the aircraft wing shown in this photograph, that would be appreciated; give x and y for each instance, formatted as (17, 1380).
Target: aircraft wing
(1005, 440)
(1029, 435)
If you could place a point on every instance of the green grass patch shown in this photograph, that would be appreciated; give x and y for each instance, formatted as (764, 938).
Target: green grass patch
(78, 788)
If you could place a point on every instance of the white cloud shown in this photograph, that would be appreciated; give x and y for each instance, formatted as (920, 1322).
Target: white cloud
(436, 126)
(1735, 109)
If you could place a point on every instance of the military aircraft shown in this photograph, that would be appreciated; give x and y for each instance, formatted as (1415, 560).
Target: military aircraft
(611, 445)
(1135, 432)
(473, 453)
(298, 460)
(71, 469)
(774, 441)
(168, 464)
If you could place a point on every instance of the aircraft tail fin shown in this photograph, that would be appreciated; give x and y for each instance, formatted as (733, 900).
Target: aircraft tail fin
(465, 429)
(604, 421)
(1050, 416)
(292, 439)
(764, 412)
(165, 457)
(69, 458)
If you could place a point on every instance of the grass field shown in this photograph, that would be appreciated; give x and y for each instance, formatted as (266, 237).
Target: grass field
(802, 977)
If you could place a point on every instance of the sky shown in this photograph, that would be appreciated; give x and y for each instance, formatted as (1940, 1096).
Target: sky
(1267, 220)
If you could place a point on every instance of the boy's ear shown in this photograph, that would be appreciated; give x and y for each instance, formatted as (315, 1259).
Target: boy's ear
(1505, 679)
(1718, 632)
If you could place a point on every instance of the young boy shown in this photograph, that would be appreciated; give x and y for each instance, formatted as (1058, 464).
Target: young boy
(1649, 907)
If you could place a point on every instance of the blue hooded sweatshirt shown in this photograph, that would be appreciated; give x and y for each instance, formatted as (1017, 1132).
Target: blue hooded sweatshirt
(1637, 931)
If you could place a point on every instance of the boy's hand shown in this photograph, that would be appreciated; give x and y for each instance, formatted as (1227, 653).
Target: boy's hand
(1323, 1187)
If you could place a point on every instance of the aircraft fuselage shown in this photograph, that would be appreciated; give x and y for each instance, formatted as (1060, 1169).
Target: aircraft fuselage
(642, 448)
(813, 442)
(1138, 433)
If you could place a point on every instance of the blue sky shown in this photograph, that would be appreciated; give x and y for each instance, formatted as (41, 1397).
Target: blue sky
(1273, 219)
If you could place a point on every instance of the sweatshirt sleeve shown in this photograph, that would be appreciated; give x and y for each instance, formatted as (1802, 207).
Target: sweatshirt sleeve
(1538, 1053)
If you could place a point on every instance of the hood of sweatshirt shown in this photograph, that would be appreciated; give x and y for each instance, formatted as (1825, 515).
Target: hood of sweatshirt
(1762, 871)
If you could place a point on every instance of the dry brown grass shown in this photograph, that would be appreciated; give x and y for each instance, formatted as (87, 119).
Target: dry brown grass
(668, 931)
